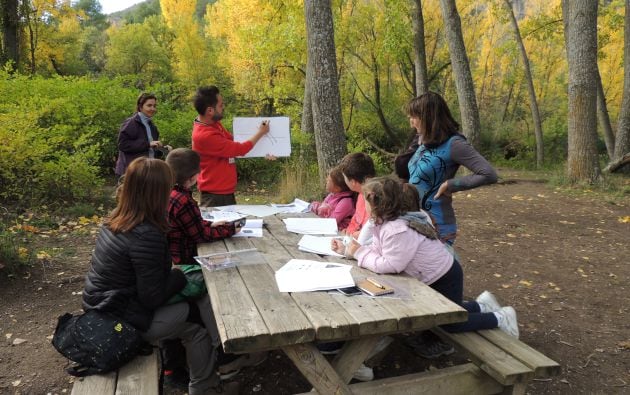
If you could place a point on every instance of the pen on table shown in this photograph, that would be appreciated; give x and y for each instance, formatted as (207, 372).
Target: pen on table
(376, 284)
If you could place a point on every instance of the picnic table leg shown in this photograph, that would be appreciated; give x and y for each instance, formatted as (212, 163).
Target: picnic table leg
(515, 389)
(316, 368)
(352, 355)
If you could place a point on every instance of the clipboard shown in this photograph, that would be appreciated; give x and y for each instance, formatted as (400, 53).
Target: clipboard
(374, 288)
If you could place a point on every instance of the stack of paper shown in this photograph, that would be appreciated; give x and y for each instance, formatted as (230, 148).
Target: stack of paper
(297, 206)
(217, 215)
(255, 210)
(317, 244)
(300, 275)
(311, 226)
(252, 228)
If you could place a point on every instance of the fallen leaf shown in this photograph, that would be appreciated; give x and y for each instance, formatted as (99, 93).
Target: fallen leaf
(497, 275)
(510, 235)
(8, 335)
(624, 344)
(526, 283)
(16, 383)
(17, 341)
(624, 220)
(505, 286)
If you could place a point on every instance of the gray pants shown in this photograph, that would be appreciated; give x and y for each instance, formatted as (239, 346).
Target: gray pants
(169, 322)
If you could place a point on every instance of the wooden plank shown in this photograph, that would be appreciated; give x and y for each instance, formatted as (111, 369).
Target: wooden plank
(542, 365)
(465, 379)
(490, 358)
(316, 369)
(99, 384)
(240, 325)
(352, 355)
(284, 319)
(329, 319)
(141, 376)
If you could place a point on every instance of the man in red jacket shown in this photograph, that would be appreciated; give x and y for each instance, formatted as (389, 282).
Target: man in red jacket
(217, 149)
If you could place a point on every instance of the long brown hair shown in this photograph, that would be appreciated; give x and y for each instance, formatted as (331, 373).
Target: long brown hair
(143, 196)
(385, 196)
(436, 122)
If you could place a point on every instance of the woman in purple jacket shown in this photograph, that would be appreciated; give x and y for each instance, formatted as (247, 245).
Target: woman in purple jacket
(407, 242)
(138, 136)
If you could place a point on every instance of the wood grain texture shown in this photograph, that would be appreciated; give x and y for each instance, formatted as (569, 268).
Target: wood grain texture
(99, 384)
(316, 369)
(465, 379)
(141, 376)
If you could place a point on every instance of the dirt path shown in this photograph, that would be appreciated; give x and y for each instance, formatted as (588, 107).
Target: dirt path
(561, 259)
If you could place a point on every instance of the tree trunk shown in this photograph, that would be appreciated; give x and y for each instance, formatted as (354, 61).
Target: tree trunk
(622, 143)
(419, 50)
(307, 106)
(461, 70)
(533, 103)
(9, 20)
(603, 117)
(581, 41)
(330, 140)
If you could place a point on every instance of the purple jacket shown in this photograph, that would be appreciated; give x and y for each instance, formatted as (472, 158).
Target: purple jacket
(339, 206)
(133, 142)
(397, 248)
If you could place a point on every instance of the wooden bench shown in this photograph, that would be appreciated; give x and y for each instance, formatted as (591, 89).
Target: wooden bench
(510, 362)
(141, 376)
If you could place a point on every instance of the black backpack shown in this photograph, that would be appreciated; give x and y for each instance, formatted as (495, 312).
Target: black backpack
(97, 342)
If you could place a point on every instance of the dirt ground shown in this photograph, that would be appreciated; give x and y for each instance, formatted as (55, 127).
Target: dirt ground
(561, 258)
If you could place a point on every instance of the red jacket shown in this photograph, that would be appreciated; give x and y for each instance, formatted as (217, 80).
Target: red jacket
(217, 149)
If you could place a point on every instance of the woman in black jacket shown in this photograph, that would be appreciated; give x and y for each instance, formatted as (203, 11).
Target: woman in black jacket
(138, 136)
(131, 276)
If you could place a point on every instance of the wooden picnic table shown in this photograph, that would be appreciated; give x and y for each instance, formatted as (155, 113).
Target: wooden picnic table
(252, 315)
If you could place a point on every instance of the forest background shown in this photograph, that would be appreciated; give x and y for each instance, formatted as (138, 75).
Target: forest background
(71, 76)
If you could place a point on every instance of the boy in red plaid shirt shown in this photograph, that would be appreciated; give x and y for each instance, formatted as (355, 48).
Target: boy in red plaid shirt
(187, 229)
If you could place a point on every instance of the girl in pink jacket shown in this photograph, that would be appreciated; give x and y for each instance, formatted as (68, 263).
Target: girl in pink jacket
(407, 242)
(339, 204)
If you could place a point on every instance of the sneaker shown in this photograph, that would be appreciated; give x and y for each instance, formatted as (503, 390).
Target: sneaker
(433, 349)
(488, 302)
(507, 321)
(230, 369)
(364, 373)
(330, 348)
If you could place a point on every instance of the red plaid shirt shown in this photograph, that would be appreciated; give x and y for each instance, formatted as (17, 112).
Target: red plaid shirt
(187, 227)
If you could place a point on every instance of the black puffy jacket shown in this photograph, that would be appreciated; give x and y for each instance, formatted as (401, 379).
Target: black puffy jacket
(130, 274)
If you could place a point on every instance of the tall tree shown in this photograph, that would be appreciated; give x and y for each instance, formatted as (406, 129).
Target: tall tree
(533, 102)
(580, 18)
(330, 140)
(307, 105)
(9, 28)
(461, 71)
(604, 118)
(622, 143)
(419, 50)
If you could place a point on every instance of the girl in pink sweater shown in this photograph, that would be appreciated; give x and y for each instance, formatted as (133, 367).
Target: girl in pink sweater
(339, 204)
(407, 242)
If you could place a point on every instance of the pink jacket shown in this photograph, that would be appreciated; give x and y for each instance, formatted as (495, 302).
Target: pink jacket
(396, 248)
(339, 206)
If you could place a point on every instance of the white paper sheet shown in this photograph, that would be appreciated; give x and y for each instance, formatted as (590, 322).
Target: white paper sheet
(300, 275)
(255, 210)
(311, 226)
(297, 206)
(277, 142)
(252, 228)
(317, 244)
(218, 215)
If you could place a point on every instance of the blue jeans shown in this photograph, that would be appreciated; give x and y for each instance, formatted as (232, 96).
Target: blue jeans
(451, 285)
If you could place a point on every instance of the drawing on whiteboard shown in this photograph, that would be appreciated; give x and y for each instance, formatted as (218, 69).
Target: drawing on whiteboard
(277, 142)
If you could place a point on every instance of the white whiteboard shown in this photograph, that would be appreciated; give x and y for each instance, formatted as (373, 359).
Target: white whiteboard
(277, 142)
